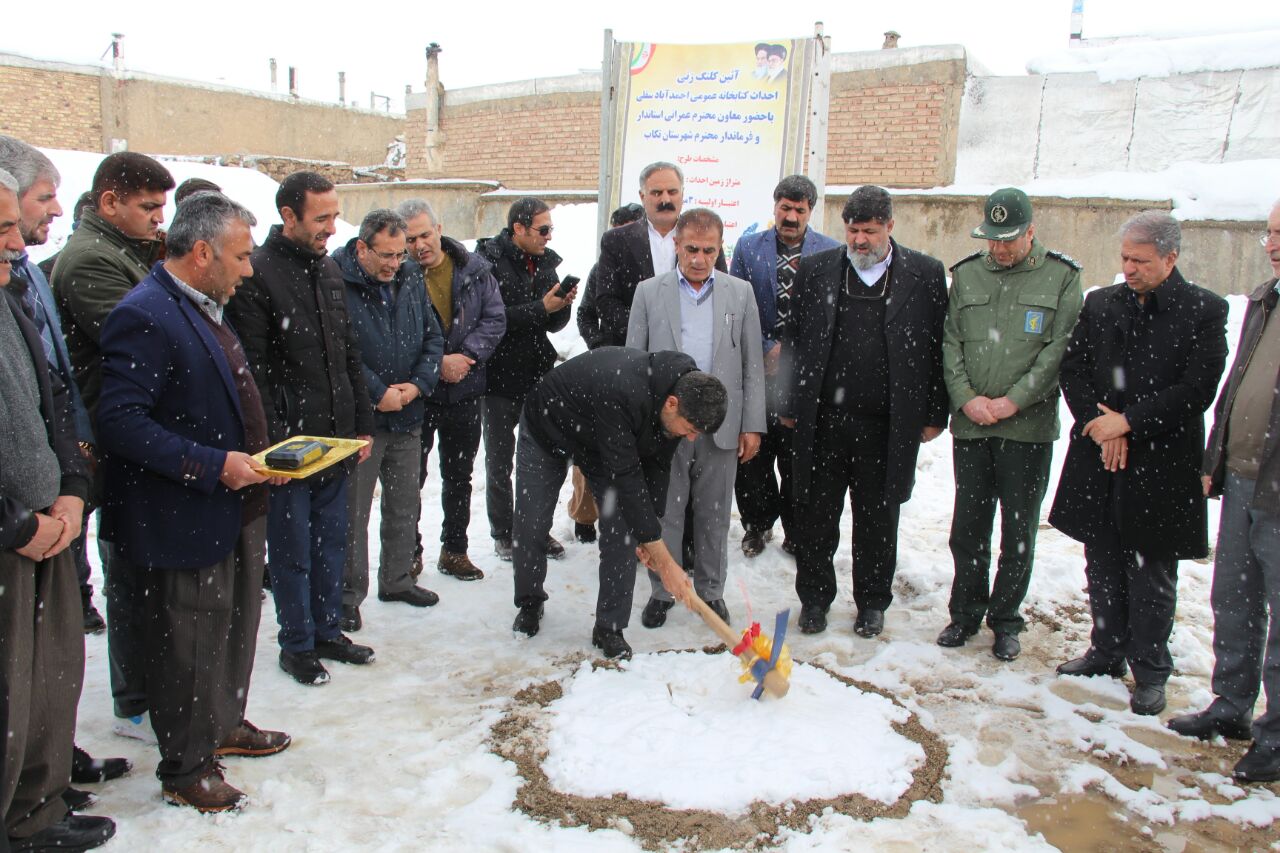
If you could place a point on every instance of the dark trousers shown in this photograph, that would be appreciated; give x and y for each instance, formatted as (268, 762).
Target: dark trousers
(501, 416)
(761, 501)
(1015, 473)
(1132, 597)
(539, 476)
(307, 538)
(126, 649)
(41, 671)
(80, 553)
(459, 429)
(201, 631)
(849, 454)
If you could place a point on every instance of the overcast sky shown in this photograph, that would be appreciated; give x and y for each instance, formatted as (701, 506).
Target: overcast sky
(491, 41)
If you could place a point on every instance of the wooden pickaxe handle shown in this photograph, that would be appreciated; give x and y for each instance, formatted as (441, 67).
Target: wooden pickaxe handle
(774, 682)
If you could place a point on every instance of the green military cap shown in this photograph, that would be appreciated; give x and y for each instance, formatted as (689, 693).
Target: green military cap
(1008, 214)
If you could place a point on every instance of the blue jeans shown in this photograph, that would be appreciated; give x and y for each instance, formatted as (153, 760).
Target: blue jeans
(306, 553)
(1246, 611)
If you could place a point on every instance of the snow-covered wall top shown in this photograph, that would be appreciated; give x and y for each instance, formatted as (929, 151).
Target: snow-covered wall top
(1134, 58)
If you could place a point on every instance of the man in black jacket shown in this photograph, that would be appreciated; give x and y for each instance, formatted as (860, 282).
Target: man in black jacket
(865, 364)
(1142, 366)
(527, 279)
(43, 486)
(292, 318)
(400, 345)
(1242, 465)
(618, 414)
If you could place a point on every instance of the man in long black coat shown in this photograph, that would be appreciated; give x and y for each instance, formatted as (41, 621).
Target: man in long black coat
(866, 389)
(1142, 367)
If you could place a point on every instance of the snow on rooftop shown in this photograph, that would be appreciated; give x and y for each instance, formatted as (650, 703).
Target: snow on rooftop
(1129, 59)
(1245, 190)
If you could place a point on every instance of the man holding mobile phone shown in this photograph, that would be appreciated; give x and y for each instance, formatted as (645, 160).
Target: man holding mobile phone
(536, 302)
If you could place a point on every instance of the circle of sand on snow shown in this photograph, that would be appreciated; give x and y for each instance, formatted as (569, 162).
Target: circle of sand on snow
(685, 790)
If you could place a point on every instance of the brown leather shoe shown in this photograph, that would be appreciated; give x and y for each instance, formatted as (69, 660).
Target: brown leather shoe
(459, 566)
(208, 794)
(248, 739)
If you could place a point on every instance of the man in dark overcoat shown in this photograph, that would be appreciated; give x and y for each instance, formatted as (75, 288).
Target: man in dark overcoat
(865, 361)
(1141, 369)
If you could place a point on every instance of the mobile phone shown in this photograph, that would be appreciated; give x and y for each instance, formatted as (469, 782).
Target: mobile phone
(567, 285)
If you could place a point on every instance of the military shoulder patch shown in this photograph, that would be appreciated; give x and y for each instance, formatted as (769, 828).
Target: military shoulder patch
(965, 260)
(1066, 259)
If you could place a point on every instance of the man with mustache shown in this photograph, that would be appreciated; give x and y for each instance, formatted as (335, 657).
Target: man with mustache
(865, 367)
(43, 485)
(639, 251)
(769, 260)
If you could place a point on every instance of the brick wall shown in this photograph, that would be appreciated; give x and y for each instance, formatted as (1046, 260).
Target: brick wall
(538, 142)
(895, 126)
(53, 109)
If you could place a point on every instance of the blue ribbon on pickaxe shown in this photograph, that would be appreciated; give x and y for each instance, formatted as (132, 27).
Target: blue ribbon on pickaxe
(761, 668)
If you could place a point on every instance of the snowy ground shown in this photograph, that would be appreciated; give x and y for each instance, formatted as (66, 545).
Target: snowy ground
(394, 756)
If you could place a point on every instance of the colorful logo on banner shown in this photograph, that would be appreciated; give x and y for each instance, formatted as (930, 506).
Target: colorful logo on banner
(641, 55)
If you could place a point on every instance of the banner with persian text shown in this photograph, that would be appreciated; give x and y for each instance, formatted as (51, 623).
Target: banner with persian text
(732, 116)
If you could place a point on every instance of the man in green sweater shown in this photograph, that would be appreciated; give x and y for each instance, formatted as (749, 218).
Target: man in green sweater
(1009, 318)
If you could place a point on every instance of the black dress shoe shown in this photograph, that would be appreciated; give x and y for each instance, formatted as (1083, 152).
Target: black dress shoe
(502, 547)
(529, 619)
(955, 635)
(416, 596)
(1205, 725)
(553, 549)
(305, 667)
(1260, 764)
(350, 621)
(870, 623)
(1147, 699)
(73, 832)
(584, 533)
(717, 606)
(77, 800)
(611, 643)
(93, 621)
(86, 770)
(813, 619)
(654, 614)
(341, 649)
(753, 542)
(1006, 647)
(1091, 664)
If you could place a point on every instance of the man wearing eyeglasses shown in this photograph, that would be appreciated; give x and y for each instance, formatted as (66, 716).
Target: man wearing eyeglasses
(534, 304)
(711, 317)
(1242, 465)
(400, 345)
(864, 357)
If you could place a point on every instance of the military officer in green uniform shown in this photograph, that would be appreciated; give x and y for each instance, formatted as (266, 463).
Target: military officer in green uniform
(1009, 318)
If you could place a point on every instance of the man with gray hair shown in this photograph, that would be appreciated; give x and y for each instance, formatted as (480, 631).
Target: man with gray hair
(1242, 465)
(401, 345)
(184, 501)
(43, 485)
(1140, 369)
(38, 181)
(462, 290)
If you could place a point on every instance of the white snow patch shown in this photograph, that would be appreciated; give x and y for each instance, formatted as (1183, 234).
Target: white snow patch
(1133, 58)
(679, 729)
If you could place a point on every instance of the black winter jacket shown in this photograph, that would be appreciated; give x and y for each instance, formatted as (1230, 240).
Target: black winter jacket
(601, 410)
(524, 354)
(292, 318)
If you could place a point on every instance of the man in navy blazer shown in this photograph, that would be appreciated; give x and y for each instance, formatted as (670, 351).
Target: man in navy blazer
(184, 502)
(769, 260)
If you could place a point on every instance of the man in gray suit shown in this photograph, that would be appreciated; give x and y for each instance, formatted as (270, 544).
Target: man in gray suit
(711, 317)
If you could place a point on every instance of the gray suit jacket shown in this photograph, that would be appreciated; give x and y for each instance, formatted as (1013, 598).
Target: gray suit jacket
(735, 359)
